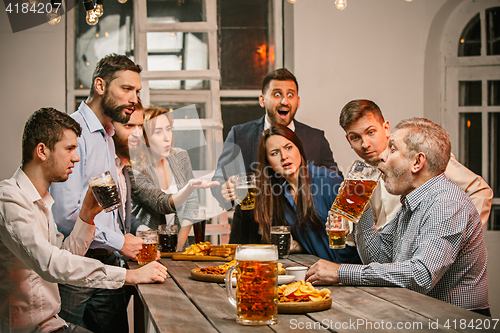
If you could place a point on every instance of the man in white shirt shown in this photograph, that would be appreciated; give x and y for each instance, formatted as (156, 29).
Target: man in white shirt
(33, 256)
(116, 83)
(367, 132)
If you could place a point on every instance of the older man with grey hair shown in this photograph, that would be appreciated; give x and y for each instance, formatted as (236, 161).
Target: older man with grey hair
(435, 244)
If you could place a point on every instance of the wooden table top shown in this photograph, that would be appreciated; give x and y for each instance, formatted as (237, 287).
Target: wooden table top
(182, 304)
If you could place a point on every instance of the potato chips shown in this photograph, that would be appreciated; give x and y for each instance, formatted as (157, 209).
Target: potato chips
(205, 249)
(199, 249)
(301, 291)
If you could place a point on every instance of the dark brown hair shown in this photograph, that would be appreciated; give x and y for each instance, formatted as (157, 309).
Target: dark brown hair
(108, 66)
(357, 109)
(47, 126)
(269, 201)
(280, 74)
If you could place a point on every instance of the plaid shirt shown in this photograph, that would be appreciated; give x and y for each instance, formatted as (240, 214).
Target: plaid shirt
(435, 246)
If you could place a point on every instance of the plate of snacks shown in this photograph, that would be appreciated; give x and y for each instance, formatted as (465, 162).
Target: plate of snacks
(212, 274)
(302, 297)
(207, 252)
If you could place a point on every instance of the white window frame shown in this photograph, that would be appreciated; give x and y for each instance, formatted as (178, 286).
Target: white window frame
(477, 68)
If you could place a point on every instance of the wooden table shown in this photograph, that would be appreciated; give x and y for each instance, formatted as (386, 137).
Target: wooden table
(181, 304)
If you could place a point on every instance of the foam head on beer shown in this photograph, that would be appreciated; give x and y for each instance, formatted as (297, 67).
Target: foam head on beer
(257, 253)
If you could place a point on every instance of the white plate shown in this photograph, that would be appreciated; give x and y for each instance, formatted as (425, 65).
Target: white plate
(282, 279)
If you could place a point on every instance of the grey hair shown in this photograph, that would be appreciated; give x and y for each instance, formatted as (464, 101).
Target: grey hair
(429, 138)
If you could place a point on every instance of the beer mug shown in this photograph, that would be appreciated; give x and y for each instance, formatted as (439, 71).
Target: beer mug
(167, 237)
(245, 190)
(149, 246)
(337, 228)
(356, 191)
(105, 191)
(256, 299)
(199, 225)
(281, 237)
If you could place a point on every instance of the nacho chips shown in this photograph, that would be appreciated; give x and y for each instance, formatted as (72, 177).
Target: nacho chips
(218, 270)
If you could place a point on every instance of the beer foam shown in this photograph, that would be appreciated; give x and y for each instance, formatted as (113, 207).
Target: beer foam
(257, 254)
(102, 181)
(246, 187)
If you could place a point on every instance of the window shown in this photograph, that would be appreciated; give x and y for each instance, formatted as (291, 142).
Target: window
(473, 97)
(189, 50)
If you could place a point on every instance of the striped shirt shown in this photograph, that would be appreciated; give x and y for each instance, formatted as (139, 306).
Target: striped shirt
(435, 246)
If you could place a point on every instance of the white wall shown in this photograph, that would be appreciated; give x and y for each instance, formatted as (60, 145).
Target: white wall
(372, 49)
(33, 76)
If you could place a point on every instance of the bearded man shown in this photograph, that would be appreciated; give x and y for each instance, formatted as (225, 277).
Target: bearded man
(113, 97)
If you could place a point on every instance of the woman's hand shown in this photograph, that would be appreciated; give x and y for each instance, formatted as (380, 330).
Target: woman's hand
(200, 183)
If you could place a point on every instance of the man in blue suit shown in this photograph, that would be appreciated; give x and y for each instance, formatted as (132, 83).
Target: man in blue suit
(281, 101)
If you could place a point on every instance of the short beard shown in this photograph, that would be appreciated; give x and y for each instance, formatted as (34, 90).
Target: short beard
(114, 112)
(275, 119)
(121, 148)
(401, 180)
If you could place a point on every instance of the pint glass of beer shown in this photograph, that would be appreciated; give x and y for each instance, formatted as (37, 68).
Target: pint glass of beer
(356, 191)
(149, 246)
(337, 228)
(105, 191)
(199, 225)
(167, 238)
(256, 284)
(245, 190)
(281, 237)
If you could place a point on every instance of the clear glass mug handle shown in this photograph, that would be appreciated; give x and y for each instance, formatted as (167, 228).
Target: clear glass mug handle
(231, 295)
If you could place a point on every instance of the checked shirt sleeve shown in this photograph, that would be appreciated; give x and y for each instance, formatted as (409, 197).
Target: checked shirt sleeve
(426, 243)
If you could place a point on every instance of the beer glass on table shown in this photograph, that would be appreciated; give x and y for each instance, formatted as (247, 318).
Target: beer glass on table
(199, 224)
(105, 191)
(149, 246)
(167, 237)
(245, 190)
(256, 298)
(356, 191)
(281, 237)
(337, 228)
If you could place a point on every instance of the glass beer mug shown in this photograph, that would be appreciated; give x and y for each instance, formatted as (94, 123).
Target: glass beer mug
(356, 191)
(245, 190)
(256, 284)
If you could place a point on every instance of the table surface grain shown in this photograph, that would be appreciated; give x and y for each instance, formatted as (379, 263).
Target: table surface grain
(181, 304)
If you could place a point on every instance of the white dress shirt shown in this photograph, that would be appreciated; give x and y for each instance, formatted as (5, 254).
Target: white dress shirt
(34, 258)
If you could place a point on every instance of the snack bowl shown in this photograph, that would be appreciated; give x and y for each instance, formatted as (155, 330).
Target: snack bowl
(298, 271)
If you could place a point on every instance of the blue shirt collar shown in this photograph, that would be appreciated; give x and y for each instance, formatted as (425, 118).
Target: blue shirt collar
(93, 122)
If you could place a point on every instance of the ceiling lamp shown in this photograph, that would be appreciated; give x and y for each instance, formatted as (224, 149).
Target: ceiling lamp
(54, 15)
(340, 4)
(99, 9)
(91, 17)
